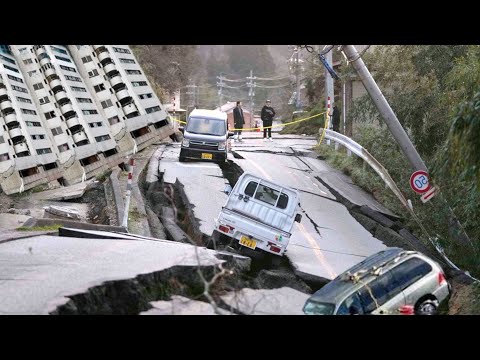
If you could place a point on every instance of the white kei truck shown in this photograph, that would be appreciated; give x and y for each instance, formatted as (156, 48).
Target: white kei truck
(259, 214)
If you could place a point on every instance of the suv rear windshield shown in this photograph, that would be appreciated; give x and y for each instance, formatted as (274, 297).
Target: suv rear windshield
(317, 308)
(206, 126)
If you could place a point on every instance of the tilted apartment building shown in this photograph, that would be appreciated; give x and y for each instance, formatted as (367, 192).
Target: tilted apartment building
(68, 113)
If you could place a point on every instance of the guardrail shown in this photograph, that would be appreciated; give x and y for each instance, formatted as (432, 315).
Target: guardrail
(360, 151)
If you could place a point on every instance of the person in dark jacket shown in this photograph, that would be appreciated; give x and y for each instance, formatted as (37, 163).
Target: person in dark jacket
(336, 119)
(267, 117)
(238, 121)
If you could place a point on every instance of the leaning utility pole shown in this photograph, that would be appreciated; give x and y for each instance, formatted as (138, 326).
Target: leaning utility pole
(297, 78)
(384, 108)
(251, 93)
(191, 98)
(220, 94)
(329, 98)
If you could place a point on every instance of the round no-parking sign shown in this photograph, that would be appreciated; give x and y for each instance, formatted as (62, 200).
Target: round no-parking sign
(419, 181)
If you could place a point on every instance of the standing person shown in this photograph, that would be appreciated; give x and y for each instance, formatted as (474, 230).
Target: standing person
(336, 118)
(238, 121)
(267, 117)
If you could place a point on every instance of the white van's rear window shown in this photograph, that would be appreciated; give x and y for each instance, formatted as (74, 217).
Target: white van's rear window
(266, 194)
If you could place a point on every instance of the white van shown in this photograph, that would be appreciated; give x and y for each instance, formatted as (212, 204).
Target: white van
(259, 214)
(205, 136)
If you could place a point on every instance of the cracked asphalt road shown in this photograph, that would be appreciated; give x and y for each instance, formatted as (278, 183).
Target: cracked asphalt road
(327, 241)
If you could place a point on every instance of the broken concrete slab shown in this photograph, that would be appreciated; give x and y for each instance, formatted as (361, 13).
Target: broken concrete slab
(238, 262)
(63, 193)
(63, 211)
(180, 305)
(283, 301)
(274, 279)
(43, 271)
(366, 222)
(378, 217)
(12, 221)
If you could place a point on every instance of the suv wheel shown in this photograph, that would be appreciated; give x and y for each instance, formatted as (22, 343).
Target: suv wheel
(426, 307)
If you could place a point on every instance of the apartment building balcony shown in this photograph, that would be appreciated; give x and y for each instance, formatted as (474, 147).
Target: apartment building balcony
(61, 97)
(40, 50)
(20, 148)
(74, 125)
(50, 72)
(80, 137)
(16, 134)
(3, 92)
(6, 104)
(124, 97)
(110, 68)
(116, 82)
(10, 119)
(104, 57)
(129, 109)
(99, 48)
(44, 61)
(55, 83)
(67, 109)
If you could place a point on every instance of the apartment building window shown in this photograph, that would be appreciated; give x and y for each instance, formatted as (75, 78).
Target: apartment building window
(106, 103)
(139, 83)
(50, 115)
(19, 88)
(44, 151)
(24, 100)
(95, 124)
(73, 78)
(44, 100)
(93, 73)
(152, 109)
(121, 50)
(68, 68)
(7, 59)
(63, 147)
(86, 59)
(22, 50)
(61, 51)
(99, 87)
(113, 120)
(38, 137)
(2, 140)
(29, 112)
(63, 58)
(11, 77)
(38, 86)
(77, 88)
(10, 68)
(127, 61)
(133, 72)
(84, 100)
(28, 61)
(30, 73)
(33, 124)
(4, 157)
(102, 138)
(89, 112)
(145, 96)
(57, 131)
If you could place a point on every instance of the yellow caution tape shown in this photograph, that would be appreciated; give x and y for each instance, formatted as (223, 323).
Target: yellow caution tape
(327, 120)
(267, 127)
